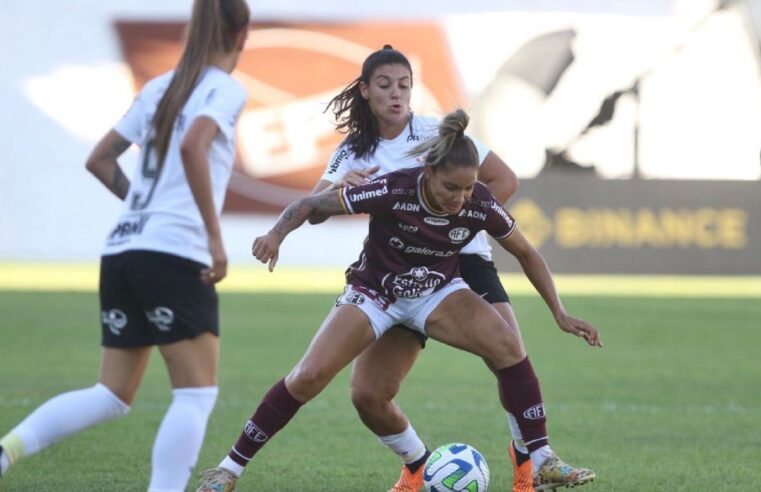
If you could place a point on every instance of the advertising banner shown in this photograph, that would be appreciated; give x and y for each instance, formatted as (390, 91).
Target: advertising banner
(589, 225)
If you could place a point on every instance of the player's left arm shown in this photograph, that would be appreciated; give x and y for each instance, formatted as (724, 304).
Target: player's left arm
(501, 181)
(266, 248)
(538, 272)
(103, 163)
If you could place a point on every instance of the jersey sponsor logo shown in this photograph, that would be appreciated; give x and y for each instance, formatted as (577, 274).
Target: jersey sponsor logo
(366, 194)
(408, 227)
(162, 317)
(255, 433)
(407, 207)
(337, 161)
(418, 282)
(473, 214)
(115, 319)
(127, 228)
(422, 250)
(436, 221)
(501, 211)
(535, 413)
(459, 234)
(396, 243)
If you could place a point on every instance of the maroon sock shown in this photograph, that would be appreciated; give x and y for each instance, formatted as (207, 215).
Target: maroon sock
(276, 409)
(522, 397)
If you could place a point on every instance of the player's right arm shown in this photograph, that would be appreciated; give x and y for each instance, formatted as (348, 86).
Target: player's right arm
(103, 163)
(326, 204)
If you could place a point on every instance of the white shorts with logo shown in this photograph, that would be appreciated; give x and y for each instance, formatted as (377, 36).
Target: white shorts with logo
(409, 312)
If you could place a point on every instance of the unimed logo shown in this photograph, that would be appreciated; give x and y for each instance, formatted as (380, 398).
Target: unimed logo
(291, 71)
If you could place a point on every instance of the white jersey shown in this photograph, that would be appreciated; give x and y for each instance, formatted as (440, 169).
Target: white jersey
(160, 213)
(390, 155)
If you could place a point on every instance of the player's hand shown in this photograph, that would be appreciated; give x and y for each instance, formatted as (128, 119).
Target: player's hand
(267, 248)
(218, 269)
(358, 177)
(580, 328)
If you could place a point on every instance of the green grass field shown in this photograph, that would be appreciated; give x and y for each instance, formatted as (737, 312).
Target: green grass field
(673, 401)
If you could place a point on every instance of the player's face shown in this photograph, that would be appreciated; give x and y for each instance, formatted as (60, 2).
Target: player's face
(388, 93)
(450, 186)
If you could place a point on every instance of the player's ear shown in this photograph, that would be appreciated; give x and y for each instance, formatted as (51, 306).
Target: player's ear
(364, 91)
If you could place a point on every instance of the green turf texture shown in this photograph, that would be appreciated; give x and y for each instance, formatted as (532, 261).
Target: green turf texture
(672, 402)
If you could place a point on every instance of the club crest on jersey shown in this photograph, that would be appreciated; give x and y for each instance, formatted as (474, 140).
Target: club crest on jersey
(459, 234)
(436, 221)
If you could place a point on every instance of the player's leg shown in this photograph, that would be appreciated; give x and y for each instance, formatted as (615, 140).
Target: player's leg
(182, 314)
(488, 336)
(482, 277)
(376, 379)
(124, 358)
(344, 334)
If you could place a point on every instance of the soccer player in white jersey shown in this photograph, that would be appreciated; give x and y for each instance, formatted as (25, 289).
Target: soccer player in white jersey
(374, 112)
(165, 253)
(408, 273)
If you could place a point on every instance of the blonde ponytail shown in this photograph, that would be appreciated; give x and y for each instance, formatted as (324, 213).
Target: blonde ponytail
(451, 145)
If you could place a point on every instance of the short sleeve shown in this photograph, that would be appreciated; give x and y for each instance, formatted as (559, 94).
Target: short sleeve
(339, 164)
(223, 104)
(132, 125)
(499, 223)
(370, 198)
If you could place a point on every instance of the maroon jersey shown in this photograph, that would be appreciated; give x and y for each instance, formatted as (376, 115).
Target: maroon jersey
(411, 251)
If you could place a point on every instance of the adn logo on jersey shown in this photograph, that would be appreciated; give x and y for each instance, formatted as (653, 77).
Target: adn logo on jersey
(474, 214)
(407, 207)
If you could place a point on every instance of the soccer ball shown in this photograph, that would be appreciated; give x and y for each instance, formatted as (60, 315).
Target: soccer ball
(457, 467)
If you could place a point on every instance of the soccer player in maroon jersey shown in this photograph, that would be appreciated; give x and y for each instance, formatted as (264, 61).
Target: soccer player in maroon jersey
(408, 274)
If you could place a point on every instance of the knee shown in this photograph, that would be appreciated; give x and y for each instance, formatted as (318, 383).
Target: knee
(306, 382)
(367, 397)
(505, 350)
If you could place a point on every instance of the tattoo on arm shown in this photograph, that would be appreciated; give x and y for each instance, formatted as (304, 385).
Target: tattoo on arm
(322, 205)
(119, 183)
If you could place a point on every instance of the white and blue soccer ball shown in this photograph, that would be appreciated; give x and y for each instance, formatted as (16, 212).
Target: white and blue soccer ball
(456, 467)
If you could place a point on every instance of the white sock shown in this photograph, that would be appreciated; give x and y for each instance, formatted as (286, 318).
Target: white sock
(4, 463)
(538, 456)
(232, 466)
(59, 417)
(520, 445)
(407, 445)
(180, 436)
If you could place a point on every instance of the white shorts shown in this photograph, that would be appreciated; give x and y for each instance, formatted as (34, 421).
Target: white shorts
(411, 313)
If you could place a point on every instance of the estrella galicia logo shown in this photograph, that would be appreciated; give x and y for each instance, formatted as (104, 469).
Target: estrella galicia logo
(535, 413)
(162, 317)
(115, 319)
(254, 433)
(396, 243)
